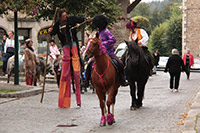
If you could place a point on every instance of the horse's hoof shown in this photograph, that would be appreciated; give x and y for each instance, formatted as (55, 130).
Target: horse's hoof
(103, 121)
(110, 119)
(133, 108)
(139, 105)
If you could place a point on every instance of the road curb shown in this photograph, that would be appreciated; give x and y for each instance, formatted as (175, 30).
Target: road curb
(4, 78)
(192, 122)
(20, 94)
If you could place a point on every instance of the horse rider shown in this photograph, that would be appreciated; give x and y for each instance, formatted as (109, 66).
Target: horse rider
(9, 50)
(108, 40)
(70, 46)
(141, 37)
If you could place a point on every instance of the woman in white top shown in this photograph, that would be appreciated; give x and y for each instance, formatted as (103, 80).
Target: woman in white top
(9, 49)
(141, 38)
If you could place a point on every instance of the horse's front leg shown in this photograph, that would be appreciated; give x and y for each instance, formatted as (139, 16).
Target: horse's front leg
(133, 95)
(111, 101)
(140, 93)
(102, 96)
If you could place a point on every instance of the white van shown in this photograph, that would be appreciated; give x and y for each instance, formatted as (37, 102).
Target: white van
(120, 49)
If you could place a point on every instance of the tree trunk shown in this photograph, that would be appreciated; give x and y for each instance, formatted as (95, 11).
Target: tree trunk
(124, 4)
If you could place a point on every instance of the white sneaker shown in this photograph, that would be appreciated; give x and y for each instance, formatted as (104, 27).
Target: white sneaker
(171, 90)
(175, 90)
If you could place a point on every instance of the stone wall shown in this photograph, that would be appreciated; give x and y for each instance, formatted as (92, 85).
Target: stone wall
(120, 32)
(191, 27)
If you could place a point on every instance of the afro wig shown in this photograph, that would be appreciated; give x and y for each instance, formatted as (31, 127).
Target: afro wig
(100, 21)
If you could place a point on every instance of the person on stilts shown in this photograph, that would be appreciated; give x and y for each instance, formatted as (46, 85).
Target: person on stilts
(70, 45)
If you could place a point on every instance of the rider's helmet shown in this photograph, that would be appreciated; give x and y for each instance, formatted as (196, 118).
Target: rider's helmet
(131, 24)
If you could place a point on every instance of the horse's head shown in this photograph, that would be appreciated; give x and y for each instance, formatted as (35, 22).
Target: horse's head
(93, 48)
(133, 52)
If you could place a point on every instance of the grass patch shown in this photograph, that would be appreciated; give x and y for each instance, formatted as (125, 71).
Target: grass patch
(195, 126)
(8, 91)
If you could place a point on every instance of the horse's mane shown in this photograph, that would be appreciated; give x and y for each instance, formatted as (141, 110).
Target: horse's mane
(98, 41)
(134, 53)
(134, 48)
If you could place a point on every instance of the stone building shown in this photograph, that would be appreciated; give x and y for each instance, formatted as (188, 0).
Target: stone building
(27, 28)
(191, 27)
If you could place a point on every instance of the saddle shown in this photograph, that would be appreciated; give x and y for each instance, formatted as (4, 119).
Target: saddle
(116, 64)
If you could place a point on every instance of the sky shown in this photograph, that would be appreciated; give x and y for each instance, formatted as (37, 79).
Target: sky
(147, 0)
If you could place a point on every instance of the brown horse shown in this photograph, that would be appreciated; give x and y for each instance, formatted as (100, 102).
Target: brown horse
(103, 78)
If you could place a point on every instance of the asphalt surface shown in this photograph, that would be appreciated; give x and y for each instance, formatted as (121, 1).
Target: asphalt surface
(163, 111)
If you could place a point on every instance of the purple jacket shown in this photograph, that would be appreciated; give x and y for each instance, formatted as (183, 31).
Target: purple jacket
(108, 40)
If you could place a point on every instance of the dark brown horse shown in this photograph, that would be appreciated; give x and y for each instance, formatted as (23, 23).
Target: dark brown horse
(103, 78)
(137, 72)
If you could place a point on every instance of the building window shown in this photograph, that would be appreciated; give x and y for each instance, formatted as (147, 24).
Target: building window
(23, 34)
(42, 41)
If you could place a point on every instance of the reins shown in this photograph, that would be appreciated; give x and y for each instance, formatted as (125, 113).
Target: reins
(101, 75)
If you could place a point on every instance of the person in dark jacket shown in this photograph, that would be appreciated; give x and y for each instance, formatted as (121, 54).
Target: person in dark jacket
(174, 65)
(69, 40)
(156, 57)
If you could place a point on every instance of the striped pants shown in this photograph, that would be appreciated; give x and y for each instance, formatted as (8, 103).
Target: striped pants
(65, 81)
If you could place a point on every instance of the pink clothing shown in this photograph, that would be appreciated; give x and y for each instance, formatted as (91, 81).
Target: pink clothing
(54, 51)
(191, 59)
(65, 81)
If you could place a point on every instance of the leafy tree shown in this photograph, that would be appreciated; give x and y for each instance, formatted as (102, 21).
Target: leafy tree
(141, 9)
(107, 7)
(174, 34)
(155, 18)
(83, 8)
(171, 30)
(25, 6)
(157, 39)
(45, 8)
(167, 12)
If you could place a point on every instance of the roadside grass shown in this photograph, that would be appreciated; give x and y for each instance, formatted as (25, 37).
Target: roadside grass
(8, 91)
(196, 122)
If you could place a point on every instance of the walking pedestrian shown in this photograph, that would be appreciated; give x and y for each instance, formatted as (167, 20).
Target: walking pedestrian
(156, 57)
(70, 46)
(188, 60)
(30, 62)
(174, 65)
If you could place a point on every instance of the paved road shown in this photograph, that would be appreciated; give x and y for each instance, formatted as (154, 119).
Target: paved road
(161, 112)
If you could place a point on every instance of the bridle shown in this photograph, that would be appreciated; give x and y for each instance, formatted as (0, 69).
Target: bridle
(92, 51)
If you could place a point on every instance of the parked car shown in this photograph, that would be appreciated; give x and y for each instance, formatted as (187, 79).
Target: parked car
(121, 48)
(196, 65)
(162, 62)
